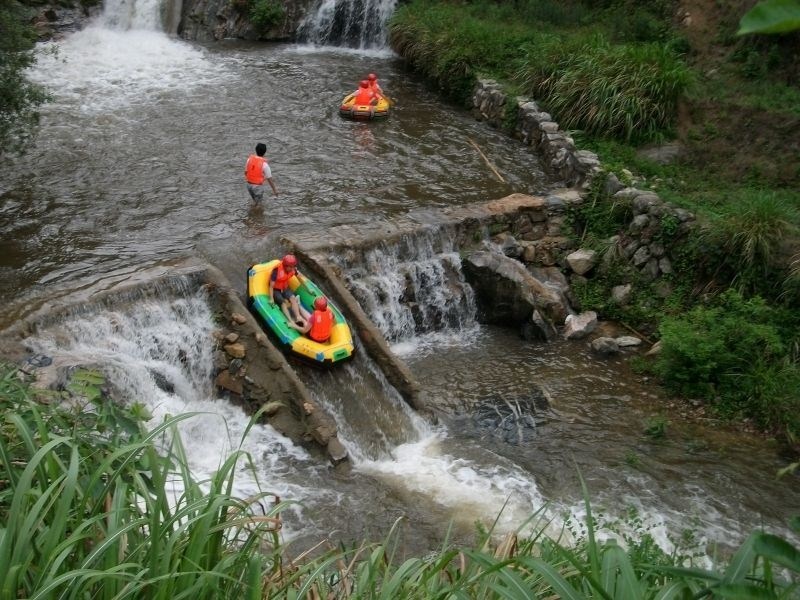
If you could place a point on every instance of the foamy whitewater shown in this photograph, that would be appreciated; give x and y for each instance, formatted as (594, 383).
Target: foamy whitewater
(159, 341)
(122, 59)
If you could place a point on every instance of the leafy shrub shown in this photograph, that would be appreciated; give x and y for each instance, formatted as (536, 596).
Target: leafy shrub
(754, 66)
(535, 12)
(266, 14)
(638, 26)
(600, 216)
(20, 99)
(734, 354)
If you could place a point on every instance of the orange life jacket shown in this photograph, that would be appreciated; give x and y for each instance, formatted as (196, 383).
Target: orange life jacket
(376, 89)
(321, 325)
(364, 96)
(281, 278)
(254, 169)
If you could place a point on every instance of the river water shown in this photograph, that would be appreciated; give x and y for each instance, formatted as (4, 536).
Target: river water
(139, 165)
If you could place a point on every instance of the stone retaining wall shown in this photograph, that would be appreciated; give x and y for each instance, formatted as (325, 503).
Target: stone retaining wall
(537, 129)
(642, 242)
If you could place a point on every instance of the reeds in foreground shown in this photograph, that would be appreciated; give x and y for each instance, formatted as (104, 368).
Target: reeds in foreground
(89, 510)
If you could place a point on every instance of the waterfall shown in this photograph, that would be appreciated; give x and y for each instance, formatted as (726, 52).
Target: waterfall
(414, 287)
(352, 23)
(155, 349)
(124, 58)
(149, 15)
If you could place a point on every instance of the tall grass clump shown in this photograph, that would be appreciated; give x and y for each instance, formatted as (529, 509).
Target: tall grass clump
(451, 46)
(533, 565)
(750, 233)
(629, 91)
(89, 507)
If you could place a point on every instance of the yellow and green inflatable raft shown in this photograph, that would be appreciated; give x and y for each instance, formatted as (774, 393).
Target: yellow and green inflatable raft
(337, 349)
(363, 112)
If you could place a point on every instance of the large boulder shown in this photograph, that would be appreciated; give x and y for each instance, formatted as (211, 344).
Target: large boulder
(507, 293)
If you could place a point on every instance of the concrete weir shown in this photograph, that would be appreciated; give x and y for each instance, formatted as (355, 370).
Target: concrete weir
(327, 254)
(248, 369)
(252, 372)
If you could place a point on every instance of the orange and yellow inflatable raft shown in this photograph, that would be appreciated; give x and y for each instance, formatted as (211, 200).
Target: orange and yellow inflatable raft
(339, 346)
(363, 112)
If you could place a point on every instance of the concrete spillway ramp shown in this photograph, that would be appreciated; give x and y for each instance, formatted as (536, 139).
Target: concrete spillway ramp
(225, 350)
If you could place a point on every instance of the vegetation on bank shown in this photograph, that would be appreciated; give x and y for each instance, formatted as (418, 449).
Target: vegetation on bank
(616, 74)
(19, 98)
(94, 505)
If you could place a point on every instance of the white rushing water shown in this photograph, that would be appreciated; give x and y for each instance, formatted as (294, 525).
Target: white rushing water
(134, 14)
(122, 59)
(158, 353)
(359, 24)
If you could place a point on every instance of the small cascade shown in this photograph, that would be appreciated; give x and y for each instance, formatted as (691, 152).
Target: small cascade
(156, 351)
(413, 288)
(372, 417)
(351, 23)
(149, 15)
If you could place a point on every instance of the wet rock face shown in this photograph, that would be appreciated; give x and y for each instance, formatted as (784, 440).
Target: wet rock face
(199, 20)
(508, 293)
(54, 21)
(214, 20)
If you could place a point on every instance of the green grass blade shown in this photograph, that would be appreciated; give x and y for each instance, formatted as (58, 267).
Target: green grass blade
(557, 583)
(778, 551)
(742, 562)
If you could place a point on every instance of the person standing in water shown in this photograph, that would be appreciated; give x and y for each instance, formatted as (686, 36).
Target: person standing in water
(256, 172)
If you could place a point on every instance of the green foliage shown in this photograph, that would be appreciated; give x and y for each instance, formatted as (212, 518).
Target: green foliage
(628, 91)
(600, 216)
(637, 23)
(749, 237)
(736, 355)
(88, 513)
(450, 47)
(771, 16)
(19, 98)
(656, 428)
(266, 14)
(88, 510)
(535, 12)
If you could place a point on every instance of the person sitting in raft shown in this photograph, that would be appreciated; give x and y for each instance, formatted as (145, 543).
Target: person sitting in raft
(319, 323)
(364, 95)
(282, 294)
(374, 86)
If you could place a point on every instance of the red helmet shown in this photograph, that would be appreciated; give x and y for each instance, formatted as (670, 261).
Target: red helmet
(372, 77)
(321, 303)
(364, 83)
(289, 261)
